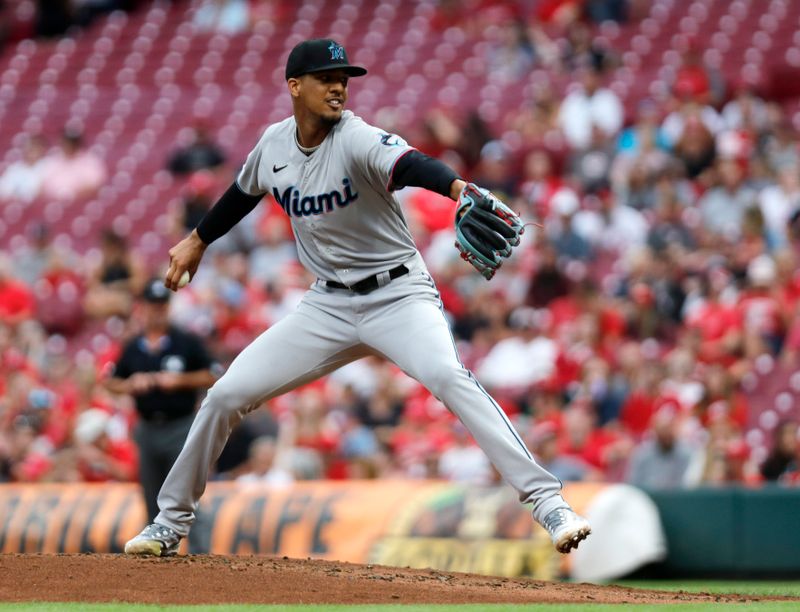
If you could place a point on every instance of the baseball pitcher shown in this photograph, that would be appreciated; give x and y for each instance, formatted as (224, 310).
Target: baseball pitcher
(334, 176)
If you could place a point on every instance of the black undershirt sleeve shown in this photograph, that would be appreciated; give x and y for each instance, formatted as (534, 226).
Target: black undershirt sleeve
(232, 207)
(415, 169)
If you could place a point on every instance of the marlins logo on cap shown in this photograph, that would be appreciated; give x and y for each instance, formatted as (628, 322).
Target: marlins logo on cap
(317, 55)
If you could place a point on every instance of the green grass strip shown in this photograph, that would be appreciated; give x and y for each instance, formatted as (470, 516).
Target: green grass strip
(769, 588)
(121, 607)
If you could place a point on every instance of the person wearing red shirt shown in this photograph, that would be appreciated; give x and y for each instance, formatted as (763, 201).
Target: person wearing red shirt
(99, 457)
(760, 309)
(717, 324)
(16, 299)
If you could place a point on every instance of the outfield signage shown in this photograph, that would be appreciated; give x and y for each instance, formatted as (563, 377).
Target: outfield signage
(402, 523)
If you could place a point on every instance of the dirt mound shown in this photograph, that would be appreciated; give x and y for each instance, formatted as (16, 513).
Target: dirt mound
(201, 579)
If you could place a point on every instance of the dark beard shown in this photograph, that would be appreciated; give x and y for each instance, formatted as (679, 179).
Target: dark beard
(330, 121)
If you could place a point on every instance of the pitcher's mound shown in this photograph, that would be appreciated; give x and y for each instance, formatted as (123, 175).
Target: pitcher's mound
(202, 579)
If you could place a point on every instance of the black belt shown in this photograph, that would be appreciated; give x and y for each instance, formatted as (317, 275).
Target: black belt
(371, 282)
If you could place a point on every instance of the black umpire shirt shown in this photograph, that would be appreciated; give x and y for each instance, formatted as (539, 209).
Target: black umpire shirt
(178, 352)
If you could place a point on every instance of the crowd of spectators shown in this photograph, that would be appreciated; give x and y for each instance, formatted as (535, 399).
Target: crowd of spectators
(64, 173)
(617, 338)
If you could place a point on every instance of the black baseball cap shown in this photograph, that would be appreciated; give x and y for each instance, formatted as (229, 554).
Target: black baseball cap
(319, 54)
(155, 292)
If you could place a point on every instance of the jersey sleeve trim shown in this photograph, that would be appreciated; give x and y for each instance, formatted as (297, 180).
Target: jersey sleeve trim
(390, 184)
(245, 192)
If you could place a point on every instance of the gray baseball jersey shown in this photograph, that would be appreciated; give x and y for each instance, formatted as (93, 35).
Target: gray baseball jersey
(348, 227)
(347, 224)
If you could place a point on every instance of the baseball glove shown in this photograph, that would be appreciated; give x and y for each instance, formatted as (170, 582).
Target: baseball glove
(486, 229)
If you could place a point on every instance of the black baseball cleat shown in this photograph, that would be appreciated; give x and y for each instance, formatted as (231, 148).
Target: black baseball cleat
(155, 540)
(566, 529)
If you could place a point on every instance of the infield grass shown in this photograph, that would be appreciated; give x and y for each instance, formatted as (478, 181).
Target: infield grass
(767, 588)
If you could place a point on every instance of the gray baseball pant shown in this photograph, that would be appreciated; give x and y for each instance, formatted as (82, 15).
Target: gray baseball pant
(402, 321)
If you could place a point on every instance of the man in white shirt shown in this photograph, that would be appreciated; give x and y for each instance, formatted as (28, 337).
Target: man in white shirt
(587, 106)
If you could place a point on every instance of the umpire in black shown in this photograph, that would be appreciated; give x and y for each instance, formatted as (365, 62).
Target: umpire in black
(164, 368)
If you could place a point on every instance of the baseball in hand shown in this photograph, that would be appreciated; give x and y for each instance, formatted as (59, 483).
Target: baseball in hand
(184, 280)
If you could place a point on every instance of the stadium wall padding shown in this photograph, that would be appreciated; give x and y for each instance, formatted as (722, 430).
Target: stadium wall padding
(732, 531)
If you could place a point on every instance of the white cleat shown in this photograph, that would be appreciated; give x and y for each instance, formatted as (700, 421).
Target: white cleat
(566, 529)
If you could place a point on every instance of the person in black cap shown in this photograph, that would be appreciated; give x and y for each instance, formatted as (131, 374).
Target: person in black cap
(334, 176)
(163, 368)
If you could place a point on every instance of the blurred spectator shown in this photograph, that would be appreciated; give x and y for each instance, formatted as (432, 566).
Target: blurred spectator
(17, 303)
(382, 409)
(225, 16)
(605, 449)
(34, 258)
(512, 54)
(783, 459)
(695, 80)
(608, 225)
(688, 113)
(266, 464)
(200, 153)
(56, 276)
(199, 194)
(581, 49)
(539, 183)
(275, 249)
(537, 121)
(543, 442)
(23, 179)
(722, 400)
(661, 461)
(669, 231)
(561, 230)
(99, 457)
(714, 318)
(724, 205)
(233, 461)
(762, 323)
(74, 172)
(641, 159)
(22, 457)
(524, 358)
(780, 144)
(590, 167)
(746, 110)
(692, 137)
(587, 107)
(646, 132)
(603, 388)
(727, 458)
(548, 282)
(494, 171)
(778, 202)
(116, 280)
(163, 368)
(463, 461)
(644, 398)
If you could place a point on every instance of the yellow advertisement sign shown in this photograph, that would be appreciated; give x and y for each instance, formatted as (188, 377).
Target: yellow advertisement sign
(402, 523)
